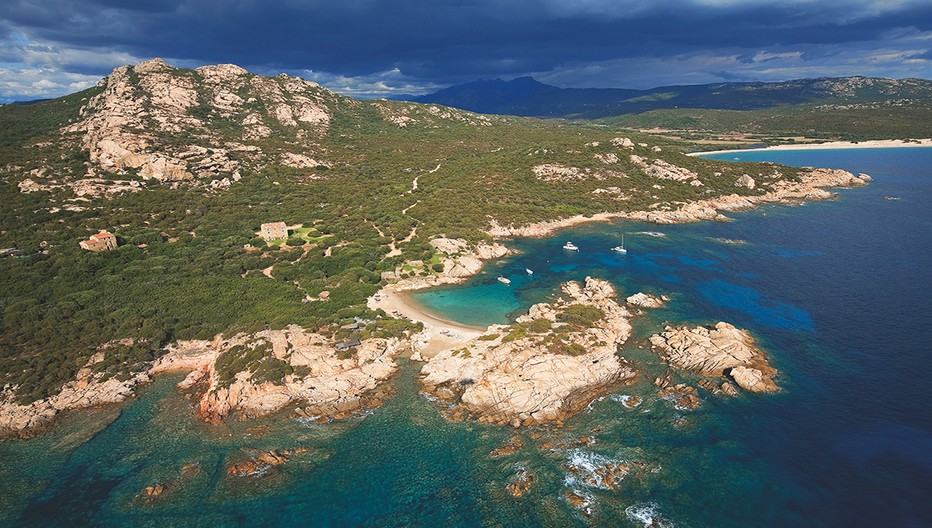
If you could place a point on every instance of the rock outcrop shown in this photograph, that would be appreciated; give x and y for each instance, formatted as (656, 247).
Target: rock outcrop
(322, 383)
(460, 261)
(645, 301)
(723, 351)
(133, 124)
(664, 170)
(520, 483)
(262, 462)
(540, 370)
(745, 181)
(752, 379)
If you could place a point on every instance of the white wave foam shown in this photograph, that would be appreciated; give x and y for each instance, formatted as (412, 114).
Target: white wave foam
(627, 400)
(588, 470)
(647, 515)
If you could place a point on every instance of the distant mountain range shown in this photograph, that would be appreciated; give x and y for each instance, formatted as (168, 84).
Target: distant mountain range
(525, 96)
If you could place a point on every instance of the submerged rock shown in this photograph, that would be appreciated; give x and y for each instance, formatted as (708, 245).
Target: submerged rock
(263, 462)
(520, 483)
(683, 396)
(510, 447)
(579, 502)
(152, 491)
(595, 471)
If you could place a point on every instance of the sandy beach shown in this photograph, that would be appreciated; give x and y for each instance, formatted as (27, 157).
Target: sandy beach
(439, 334)
(876, 143)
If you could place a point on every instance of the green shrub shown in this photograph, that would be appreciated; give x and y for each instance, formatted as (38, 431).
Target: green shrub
(574, 349)
(581, 314)
(539, 326)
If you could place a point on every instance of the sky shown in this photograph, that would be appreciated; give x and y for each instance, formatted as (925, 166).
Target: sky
(381, 48)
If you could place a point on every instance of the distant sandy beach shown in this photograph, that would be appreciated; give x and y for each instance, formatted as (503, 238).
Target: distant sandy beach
(439, 334)
(875, 143)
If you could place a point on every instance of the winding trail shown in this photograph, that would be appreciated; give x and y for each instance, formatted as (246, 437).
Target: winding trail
(408, 208)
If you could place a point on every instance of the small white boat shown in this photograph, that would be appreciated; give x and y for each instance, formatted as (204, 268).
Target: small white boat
(503, 280)
(528, 270)
(569, 246)
(621, 249)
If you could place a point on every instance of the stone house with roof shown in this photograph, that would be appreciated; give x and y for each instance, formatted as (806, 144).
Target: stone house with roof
(102, 241)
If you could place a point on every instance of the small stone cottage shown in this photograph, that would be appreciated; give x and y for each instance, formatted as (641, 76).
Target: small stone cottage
(273, 231)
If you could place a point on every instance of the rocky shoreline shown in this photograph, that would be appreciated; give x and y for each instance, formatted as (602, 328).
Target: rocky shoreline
(813, 185)
(319, 383)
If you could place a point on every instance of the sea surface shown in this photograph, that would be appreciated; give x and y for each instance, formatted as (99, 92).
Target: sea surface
(837, 292)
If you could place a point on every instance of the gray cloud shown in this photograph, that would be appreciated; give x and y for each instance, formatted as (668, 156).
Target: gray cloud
(380, 47)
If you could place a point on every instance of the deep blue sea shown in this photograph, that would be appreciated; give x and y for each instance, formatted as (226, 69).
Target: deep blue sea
(837, 292)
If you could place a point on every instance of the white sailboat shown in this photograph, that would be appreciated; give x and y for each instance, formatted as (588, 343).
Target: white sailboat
(528, 270)
(621, 249)
(569, 246)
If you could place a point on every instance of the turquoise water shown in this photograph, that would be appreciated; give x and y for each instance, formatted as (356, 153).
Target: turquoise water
(838, 293)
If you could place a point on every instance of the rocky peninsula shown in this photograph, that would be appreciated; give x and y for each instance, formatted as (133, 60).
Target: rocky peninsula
(198, 132)
(552, 362)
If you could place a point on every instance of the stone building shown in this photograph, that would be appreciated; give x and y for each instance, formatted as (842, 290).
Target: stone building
(273, 231)
(102, 241)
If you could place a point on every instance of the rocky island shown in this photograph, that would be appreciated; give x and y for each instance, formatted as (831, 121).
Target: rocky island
(723, 351)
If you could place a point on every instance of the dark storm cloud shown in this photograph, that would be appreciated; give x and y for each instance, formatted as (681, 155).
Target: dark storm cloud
(445, 41)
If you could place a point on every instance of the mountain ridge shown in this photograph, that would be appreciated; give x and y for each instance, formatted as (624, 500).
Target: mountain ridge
(514, 98)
